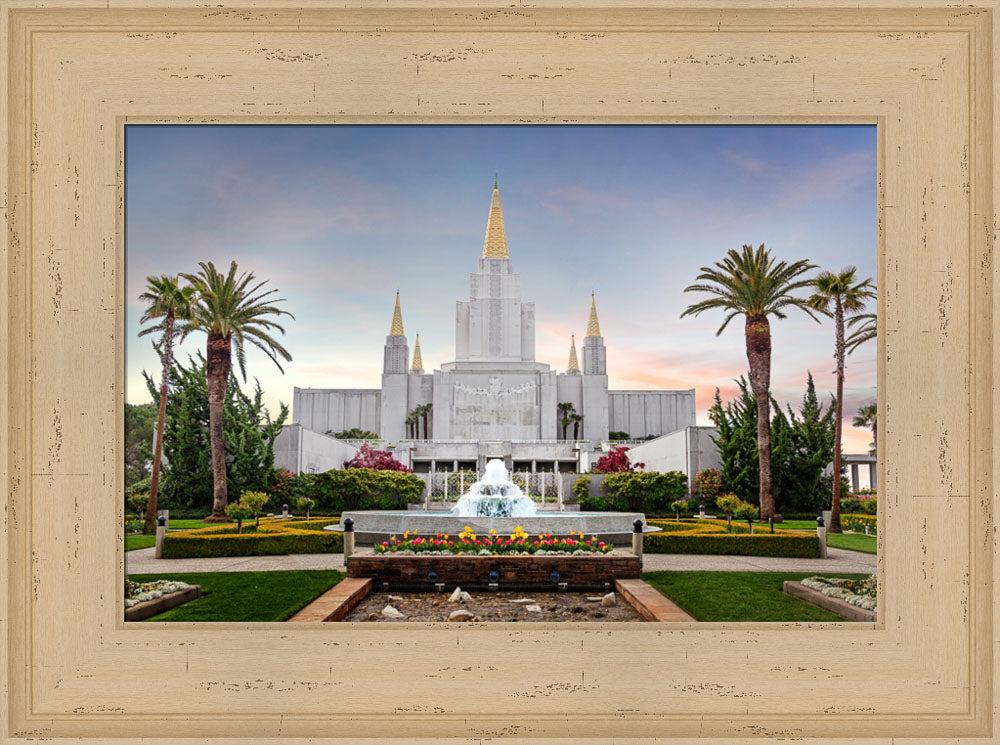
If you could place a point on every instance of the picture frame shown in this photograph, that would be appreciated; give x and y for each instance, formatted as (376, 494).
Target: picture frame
(77, 71)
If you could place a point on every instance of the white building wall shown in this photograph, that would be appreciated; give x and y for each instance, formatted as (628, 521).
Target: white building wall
(334, 410)
(689, 450)
(644, 413)
(301, 450)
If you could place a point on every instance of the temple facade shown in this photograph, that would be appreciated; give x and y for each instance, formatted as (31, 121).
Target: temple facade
(494, 399)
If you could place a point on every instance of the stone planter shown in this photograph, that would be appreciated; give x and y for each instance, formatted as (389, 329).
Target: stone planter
(156, 606)
(834, 605)
(521, 570)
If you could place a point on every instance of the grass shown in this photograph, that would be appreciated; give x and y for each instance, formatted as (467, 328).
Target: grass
(853, 542)
(132, 542)
(247, 596)
(739, 596)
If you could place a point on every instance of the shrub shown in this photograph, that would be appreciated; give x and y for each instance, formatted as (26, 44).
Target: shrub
(239, 512)
(618, 435)
(648, 492)
(746, 511)
(137, 503)
(729, 503)
(255, 501)
(616, 461)
(708, 486)
(376, 460)
(366, 489)
(273, 537)
(581, 489)
(305, 503)
(678, 506)
(796, 545)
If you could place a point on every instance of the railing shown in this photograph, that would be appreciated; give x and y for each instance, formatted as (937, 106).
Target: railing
(544, 487)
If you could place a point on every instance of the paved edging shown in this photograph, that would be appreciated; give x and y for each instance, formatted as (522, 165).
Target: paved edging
(156, 606)
(142, 561)
(336, 602)
(650, 603)
(834, 605)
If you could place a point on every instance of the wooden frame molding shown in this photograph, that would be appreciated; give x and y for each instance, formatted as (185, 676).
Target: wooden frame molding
(77, 71)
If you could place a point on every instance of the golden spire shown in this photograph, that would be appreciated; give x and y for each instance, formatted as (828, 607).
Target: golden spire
(593, 327)
(396, 329)
(495, 245)
(573, 366)
(418, 360)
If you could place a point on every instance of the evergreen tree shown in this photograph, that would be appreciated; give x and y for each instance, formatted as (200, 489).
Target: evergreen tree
(249, 438)
(801, 448)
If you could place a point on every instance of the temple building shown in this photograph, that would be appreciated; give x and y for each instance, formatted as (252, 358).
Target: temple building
(494, 399)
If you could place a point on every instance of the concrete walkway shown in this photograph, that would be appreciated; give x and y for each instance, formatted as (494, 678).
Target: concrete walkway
(839, 560)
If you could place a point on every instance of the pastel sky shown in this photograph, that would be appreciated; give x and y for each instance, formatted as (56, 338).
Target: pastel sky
(340, 217)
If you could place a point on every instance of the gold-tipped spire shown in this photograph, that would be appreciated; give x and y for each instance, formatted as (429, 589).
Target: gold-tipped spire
(574, 365)
(593, 327)
(418, 360)
(495, 245)
(396, 329)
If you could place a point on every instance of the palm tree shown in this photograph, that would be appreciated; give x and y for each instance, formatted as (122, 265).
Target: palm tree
(577, 419)
(168, 304)
(566, 409)
(233, 312)
(424, 411)
(847, 297)
(866, 331)
(751, 283)
(411, 422)
(867, 416)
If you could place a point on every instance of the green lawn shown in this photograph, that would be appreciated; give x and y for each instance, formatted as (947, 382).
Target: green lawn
(132, 542)
(247, 596)
(739, 596)
(852, 541)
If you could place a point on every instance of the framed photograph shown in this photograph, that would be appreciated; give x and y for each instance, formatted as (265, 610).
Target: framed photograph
(103, 103)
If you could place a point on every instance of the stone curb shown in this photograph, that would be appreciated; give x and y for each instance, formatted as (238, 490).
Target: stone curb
(156, 606)
(336, 602)
(834, 605)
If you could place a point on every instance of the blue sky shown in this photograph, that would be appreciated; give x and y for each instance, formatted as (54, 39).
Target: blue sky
(340, 217)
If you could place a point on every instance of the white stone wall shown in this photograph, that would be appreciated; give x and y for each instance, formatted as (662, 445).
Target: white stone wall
(689, 450)
(595, 408)
(301, 450)
(334, 409)
(495, 406)
(643, 413)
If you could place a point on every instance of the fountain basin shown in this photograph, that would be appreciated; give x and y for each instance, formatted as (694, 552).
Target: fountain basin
(372, 526)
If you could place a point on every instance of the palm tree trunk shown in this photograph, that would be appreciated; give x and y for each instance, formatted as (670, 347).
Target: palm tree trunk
(426, 411)
(839, 421)
(219, 363)
(149, 526)
(875, 435)
(758, 341)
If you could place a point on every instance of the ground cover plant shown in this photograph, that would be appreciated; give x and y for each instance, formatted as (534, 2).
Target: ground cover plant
(247, 596)
(740, 596)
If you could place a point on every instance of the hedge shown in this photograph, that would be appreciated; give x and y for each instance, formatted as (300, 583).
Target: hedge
(272, 538)
(710, 538)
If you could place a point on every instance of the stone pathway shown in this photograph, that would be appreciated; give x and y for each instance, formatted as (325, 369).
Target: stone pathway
(142, 561)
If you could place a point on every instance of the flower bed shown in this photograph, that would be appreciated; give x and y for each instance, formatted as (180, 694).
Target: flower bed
(860, 592)
(518, 543)
(136, 592)
(857, 523)
(274, 536)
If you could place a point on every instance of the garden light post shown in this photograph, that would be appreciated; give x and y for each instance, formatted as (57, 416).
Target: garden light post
(821, 533)
(348, 537)
(637, 539)
(284, 510)
(161, 531)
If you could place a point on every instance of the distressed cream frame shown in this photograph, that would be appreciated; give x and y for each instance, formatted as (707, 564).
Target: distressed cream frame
(78, 70)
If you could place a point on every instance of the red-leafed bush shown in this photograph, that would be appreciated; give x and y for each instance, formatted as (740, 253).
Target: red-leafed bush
(616, 461)
(375, 460)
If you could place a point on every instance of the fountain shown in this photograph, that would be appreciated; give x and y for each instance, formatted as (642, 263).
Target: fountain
(494, 503)
(495, 495)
